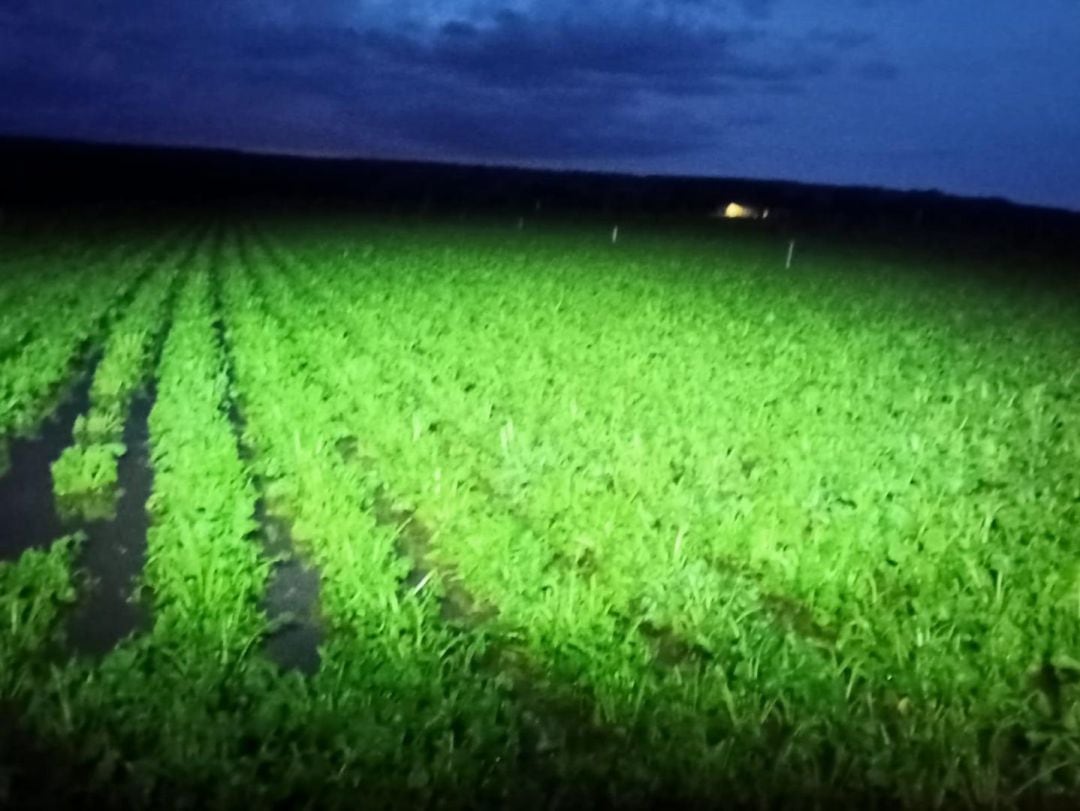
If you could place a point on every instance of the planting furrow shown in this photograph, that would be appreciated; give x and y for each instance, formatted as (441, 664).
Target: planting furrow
(28, 511)
(568, 626)
(646, 512)
(292, 594)
(84, 477)
(735, 492)
(378, 396)
(30, 380)
(444, 474)
(381, 636)
(111, 562)
(326, 500)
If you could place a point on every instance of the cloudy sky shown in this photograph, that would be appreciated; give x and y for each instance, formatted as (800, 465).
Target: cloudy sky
(967, 96)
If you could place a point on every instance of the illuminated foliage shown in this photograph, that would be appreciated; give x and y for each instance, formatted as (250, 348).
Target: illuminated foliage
(655, 521)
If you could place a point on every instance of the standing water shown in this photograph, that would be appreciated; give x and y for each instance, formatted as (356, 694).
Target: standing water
(115, 550)
(28, 515)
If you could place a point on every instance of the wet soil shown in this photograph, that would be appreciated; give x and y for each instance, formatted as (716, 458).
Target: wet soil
(113, 556)
(292, 593)
(28, 515)
(457, 605)
(292, 600)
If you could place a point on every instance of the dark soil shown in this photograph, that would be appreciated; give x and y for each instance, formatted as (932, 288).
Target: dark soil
(28, 515)
(292, 594)
(457, 605)
(115, 550)
(292, 600)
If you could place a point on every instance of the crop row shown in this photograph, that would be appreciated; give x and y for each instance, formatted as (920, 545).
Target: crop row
(203, 567)
(657, 446)
(570, 621)
(40, 282)
(30, 379)
(84, 477)
(808, 532)
(388, 659)
(173, 706)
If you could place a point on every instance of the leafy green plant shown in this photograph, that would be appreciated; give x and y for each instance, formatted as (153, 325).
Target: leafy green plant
(62, 313)
(34, 590)
(84, 480)
(662, 520)
(85, 475)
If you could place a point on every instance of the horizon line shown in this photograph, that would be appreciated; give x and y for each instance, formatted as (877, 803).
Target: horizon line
(328, 155)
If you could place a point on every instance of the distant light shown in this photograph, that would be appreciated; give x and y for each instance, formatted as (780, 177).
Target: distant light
(737, 211)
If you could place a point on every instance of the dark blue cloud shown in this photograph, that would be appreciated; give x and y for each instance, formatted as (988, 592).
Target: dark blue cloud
(878, 70)
(517, 52)
(844, 39)
(762, 87)
(501, 85)
(759, 9)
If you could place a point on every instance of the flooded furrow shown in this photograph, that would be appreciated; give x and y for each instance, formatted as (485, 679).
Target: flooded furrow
(292, 598)
(291, 601)
(28, 515)
(114, 554)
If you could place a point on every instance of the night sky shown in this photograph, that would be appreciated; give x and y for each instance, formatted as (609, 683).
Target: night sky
(967, 96)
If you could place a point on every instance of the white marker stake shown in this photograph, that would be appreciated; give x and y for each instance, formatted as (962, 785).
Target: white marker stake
(521, 223)
(790, 253)
(614, 235)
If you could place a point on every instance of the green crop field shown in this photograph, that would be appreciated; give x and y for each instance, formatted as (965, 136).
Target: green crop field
(583, 523)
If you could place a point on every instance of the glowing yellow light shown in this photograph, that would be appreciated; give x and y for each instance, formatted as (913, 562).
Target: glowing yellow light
(735, 211)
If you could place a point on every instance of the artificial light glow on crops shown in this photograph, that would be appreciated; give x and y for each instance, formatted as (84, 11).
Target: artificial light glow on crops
(590, 523)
